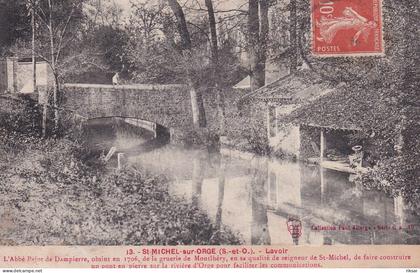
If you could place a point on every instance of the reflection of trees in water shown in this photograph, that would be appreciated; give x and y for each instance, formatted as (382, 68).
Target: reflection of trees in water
(260, 234)
(259, 229)
(221, 190)
(291, 191)
(199, 168)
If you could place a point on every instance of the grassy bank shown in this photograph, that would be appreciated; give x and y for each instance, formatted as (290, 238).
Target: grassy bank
(51, 196)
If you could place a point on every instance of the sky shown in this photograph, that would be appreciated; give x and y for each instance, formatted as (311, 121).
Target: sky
(221, 4)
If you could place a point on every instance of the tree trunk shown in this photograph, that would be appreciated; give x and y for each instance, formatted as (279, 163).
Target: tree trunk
(44, 119)
(253, 38)
(33, 47)
(262, 45)
(197, 104)
(56, 111)
(293, 36)
(181, 24)
(257, 43)
(215, 67)
(55, 87)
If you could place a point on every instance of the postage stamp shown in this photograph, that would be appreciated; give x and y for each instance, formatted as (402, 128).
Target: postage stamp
(347, 27)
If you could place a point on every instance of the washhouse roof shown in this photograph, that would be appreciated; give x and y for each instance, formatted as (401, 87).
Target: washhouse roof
(323, 103)
(299, 87)
(350, 108)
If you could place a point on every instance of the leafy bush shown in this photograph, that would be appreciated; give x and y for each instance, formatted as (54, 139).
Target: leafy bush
(20, 114)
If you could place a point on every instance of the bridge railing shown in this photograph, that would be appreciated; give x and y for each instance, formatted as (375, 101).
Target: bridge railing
(148, 125)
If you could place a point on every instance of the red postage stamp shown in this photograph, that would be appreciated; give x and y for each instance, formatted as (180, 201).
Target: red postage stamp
(347, 27)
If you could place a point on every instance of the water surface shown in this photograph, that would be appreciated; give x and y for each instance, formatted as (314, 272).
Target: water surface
(256, 196)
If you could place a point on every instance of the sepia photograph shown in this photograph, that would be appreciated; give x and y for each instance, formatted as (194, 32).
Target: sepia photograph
(209, 122)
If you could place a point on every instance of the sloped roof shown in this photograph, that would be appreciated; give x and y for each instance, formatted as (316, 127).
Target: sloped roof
(354, 108)
(320, 102)
(272, 74)
(299, 87)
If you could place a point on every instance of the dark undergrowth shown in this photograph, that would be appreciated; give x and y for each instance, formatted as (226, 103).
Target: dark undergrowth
(50, 196)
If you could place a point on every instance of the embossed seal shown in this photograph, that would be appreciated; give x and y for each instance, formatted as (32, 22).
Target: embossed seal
(294, 226)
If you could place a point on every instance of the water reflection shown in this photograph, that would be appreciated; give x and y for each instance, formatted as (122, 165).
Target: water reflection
(256, 197)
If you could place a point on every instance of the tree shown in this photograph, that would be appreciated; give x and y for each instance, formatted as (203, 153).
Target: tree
(103, 13)
(169, 47)
(57, 20)
(216, 65)
(197, 104)
(98, 50)
(151, 51)
(258, 29)
(293, 35)
(14, 24)
(33, 27)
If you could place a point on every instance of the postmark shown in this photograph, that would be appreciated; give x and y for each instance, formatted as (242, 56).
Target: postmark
(347, 28)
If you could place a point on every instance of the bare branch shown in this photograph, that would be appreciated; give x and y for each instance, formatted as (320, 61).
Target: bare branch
(63, 33)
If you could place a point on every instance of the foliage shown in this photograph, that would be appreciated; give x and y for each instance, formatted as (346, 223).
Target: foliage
(397, 176)
(14, 24)
(279, 48)
(97, 56)
(20, 114)
(257, 140)
(245, 126)
(154, 51)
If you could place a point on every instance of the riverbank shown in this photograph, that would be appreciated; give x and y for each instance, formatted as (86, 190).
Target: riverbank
(50, 196)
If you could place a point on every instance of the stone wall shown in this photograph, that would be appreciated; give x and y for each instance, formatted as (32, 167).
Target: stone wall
(24, 79)
(11, 74)
(16, 77)
(165, 105)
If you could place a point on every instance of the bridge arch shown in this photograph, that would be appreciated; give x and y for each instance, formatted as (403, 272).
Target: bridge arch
(158, 130)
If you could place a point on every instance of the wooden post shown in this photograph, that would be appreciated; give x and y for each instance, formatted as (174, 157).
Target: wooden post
(268, 121)
(321, 169)
(323, 146)
(399, 208)
(44, 119)
(110, 154)
(322, 178)
(121, 161)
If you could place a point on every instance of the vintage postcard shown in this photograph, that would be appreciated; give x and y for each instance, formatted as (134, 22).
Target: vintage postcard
(209, 134)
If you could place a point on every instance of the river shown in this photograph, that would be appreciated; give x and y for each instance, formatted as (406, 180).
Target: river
(257, 197)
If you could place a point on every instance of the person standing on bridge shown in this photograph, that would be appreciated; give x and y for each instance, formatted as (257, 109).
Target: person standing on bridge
(116, 79)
